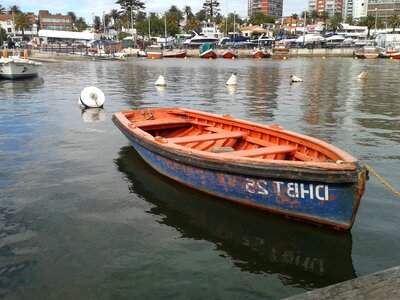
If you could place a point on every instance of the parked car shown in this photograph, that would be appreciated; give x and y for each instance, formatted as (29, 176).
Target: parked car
(21, 44)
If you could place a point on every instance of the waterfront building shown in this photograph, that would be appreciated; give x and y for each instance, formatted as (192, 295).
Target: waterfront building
(359, 9)
(312, 4)
(383, 8)
(330, 6)
(348, 9)
(7, 22)
(355, 8)
(54, 22)
(267, 7)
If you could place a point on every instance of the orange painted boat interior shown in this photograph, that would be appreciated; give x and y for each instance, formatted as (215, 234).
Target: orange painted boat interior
(231, 137)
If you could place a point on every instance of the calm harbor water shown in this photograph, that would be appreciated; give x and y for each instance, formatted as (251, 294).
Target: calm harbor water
(83, 217)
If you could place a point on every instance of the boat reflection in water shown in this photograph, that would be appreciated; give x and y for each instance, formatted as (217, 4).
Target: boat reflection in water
(93, 115)
(301, 255)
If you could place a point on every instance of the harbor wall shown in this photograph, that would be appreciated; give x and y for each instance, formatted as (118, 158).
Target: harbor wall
(247, 53)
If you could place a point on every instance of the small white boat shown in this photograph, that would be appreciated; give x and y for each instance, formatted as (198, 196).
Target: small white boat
(15, 67)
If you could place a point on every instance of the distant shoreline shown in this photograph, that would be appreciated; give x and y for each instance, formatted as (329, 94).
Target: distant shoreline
(194, 53)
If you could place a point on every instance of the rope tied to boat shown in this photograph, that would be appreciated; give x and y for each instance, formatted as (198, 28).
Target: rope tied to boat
(383, 181)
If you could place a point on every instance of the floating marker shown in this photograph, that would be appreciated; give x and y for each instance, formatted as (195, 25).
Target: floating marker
(294, 78)
(232, 80)
(160, 81)
(92, 97)
(363, 75)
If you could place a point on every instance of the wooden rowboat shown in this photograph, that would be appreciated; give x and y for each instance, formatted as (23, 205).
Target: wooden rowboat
(174, 54)
(154, 53)
(264, 167)
(208, 54)
(260, 53)
(206, 51)
(229, 54)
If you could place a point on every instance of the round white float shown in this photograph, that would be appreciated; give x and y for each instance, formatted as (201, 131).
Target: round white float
(92, 97)
(160, 81)
(232, 80)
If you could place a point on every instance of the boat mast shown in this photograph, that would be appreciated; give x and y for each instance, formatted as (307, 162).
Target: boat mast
(165, 28)
(149, 28)
(226, 19)
(234, 24)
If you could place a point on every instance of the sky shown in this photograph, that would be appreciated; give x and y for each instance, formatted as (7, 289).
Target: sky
(88, 8)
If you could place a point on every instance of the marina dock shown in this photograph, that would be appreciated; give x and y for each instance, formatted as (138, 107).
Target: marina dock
(380, 285)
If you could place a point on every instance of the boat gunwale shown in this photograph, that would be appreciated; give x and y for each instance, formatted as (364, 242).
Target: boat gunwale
(274, 130)
(298, 170)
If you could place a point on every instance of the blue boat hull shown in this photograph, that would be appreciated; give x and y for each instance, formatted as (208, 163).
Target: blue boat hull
(333, 204)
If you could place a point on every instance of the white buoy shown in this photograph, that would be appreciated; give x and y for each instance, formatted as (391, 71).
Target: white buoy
(92, 97)
(160, 81)
(232, 80)
(294, 78)
(363, 75)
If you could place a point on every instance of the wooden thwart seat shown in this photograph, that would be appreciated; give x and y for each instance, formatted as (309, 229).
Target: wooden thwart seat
(205, 137)
(261, 151)
(160, 122)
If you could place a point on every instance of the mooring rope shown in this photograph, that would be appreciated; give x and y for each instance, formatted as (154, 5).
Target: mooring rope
(383, 181)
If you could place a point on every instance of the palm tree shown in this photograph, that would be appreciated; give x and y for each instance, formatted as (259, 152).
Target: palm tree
(335, 22)
(368, 21)
(187, 11)
(72, 16)
(14, 9)
(192, 24)
(114, 14)
(350, 20)
(80, 24)
(174, 15)
(96, 22)
(2, 9)
(324, 16)
(23, 21)
(314, 15)
(200, 15)
(394, 21)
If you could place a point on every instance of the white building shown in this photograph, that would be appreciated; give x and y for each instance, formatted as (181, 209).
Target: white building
(7, 23)
(359, 8)
(311, 5)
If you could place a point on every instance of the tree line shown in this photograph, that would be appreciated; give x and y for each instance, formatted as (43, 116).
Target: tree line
(131, 14)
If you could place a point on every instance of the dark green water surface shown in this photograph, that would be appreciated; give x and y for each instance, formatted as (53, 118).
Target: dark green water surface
(83, 217)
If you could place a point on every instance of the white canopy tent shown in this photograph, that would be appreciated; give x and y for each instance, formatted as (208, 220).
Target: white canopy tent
(67, 35)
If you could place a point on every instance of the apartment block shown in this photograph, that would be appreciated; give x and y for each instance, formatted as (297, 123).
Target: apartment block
(267, 7)
(383, 8)
(54, 21)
